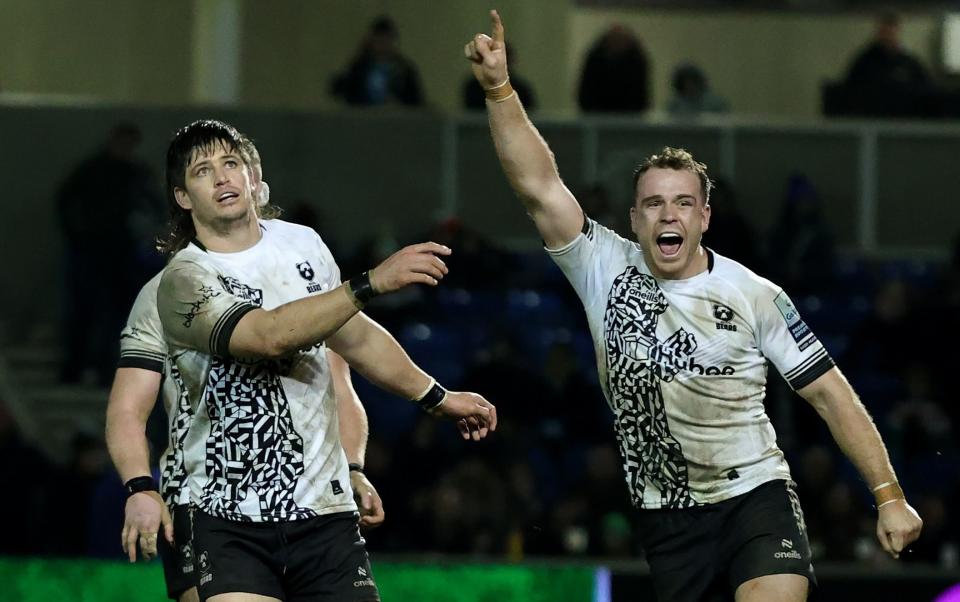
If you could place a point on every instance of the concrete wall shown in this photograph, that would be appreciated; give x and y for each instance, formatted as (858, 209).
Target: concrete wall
(142, 51)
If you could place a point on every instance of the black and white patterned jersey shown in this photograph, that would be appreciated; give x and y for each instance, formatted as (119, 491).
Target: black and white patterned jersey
(264, 445)
(682, 364)
(142, 346)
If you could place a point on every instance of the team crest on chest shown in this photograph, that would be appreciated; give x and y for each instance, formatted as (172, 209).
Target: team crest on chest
(724, 315)
(307, 273)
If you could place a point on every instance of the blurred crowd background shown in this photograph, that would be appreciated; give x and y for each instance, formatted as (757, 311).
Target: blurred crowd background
(504, 322)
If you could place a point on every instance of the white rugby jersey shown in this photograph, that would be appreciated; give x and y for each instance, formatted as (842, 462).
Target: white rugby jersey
(682, 364)
(142, 346)
(264, 445)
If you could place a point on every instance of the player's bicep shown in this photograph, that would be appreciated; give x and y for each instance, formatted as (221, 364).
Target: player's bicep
(557, 214)
(134, 392)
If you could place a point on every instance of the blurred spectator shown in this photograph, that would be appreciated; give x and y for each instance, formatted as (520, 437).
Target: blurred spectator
(692, 94)
(801, 248)
(615, 76)
(595, 202)
(886, 80)
(730, 233)
(380, 74)
(105, 206)
(882, 343)
(476, 262)
(474, 97)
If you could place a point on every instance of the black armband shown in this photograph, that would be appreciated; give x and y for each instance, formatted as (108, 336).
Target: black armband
(139, 484)
(433, 398)
(354, 467)
(361, 288)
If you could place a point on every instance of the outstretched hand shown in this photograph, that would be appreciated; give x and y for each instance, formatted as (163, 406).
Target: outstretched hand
(475, 415)
(415, 264)
(489, 54)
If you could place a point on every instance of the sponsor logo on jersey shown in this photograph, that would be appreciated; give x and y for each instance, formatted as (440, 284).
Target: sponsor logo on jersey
(797, 327)
(337, 489)
(691, 365)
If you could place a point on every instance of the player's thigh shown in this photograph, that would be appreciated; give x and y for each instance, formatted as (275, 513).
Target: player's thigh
(680, 548)
(236, 558)
(766, 536)
(329, 561)
(783, 588)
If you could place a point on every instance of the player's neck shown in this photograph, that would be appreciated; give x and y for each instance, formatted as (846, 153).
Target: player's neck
(229, 237)
(698, 264)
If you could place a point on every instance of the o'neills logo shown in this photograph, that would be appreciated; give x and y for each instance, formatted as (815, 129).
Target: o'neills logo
(784, 555)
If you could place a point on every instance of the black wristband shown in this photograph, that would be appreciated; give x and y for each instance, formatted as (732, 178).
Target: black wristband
(138, 484)
(354, 467)
(433, 398)
(361, 288)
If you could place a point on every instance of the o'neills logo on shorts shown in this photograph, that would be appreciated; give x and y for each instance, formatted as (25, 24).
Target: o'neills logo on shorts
(784, 555)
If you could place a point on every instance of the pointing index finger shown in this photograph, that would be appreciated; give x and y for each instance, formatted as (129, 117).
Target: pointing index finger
(497, 26)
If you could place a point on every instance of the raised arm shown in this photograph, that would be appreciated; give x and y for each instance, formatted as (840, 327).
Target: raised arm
(526, 159)
(898, 524)
(305, 322)
(374, 353)
(353, 438)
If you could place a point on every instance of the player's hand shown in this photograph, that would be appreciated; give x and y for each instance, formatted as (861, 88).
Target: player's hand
(416, 264)
(475, 415)
(898, 525)
(144, 513)
(368, 500)
(489, 54)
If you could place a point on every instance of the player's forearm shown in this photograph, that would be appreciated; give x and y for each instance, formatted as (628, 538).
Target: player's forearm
(127, 443)
(854, 431)
(525, 156)
(351, 415)
(292, 326)
(374, 353)
(354, 430)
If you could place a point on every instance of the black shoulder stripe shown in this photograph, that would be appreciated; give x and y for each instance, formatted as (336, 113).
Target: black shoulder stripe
(143, 363)
(220, 336)
(812, 373)
(806, 364)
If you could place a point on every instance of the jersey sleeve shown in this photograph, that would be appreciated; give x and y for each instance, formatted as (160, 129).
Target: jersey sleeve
(786, 340)
(141, 341)
(197, 309)
(580, 258)
(333, 280)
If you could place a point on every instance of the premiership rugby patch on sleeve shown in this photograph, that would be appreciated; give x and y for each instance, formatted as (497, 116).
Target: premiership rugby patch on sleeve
(798, 328)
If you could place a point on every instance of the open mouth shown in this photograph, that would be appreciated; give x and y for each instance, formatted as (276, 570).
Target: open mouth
(669, 243)
(227, 196)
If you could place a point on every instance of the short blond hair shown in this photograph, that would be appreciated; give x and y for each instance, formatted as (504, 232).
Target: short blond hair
(679, 159)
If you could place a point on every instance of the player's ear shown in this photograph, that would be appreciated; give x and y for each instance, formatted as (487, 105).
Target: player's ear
(183, 199)
(705, 217)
